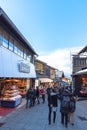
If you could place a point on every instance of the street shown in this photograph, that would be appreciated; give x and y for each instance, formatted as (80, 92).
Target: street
(36, 118)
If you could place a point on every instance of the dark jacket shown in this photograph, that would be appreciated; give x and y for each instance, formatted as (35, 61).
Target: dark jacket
(29, 93)
(49, 100)
(66, 92)
(37, 92)
(54, 99)
(65, 100)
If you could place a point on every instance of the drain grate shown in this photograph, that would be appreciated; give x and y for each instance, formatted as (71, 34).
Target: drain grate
(1, 124)
(82, 118)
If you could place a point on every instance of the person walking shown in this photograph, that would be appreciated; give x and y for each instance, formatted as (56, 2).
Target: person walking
(43, 94)
(52, 103)
(29, 98)
(37, 95)
(72, 109)
(49, 105)
(34, 96)
(64, 106)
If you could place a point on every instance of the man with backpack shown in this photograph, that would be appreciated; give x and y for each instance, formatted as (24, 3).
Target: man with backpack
(64, 106)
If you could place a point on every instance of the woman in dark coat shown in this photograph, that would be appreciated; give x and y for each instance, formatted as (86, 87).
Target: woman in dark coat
(52, 104)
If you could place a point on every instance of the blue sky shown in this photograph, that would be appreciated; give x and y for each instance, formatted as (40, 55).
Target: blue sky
(54, 28)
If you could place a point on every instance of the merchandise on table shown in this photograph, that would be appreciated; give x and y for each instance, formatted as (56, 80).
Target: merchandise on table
(11, 97)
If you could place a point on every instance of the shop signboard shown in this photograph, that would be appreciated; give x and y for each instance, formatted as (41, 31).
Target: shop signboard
(25, 68)
(59, 74)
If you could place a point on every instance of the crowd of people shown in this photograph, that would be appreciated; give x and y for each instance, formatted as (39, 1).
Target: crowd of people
(62, 97)
(33, 96)
(67, 104)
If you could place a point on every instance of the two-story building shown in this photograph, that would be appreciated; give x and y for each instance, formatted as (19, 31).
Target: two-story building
(16, 57)
(42, 73)
(45, 74)
(79, 69)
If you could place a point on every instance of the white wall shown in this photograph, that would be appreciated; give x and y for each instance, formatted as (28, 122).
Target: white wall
(9, 62)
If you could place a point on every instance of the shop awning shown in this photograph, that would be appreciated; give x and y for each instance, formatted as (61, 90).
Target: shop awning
(81, 72)
(45, 80)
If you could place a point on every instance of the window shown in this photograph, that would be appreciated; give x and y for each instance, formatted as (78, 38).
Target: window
(5, 42)
(5, 39)
(15, 49)
(86, 61)
(28, 57)
(11, 46)
(1, 38)
(19, 52)
(25, 56)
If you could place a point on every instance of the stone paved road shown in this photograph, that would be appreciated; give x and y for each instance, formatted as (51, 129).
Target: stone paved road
(36, 118)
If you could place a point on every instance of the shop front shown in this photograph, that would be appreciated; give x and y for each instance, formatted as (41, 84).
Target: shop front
(16, 77)
(46, 82)
(80, 83)
(17, 70)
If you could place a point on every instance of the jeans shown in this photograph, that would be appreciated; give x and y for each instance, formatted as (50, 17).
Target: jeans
(64, 119)
(43, 98)
(28, 102)
(49, 115)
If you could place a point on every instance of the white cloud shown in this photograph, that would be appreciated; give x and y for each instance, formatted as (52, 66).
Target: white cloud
(60, 59)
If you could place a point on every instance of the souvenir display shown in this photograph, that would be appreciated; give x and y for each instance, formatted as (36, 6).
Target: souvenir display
(11, 96)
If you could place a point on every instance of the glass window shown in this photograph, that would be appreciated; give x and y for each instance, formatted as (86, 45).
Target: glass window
(86, 61)
(28, 57)
(11, 46)
(25, 56)
(1, 38)
(83, 62)
(5, 42)
(19, 52)
(15, 49)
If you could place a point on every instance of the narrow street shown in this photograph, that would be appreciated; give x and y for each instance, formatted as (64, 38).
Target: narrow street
(36, 118)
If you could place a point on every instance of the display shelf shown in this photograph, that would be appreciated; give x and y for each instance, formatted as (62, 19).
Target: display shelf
(11, 97)
(12, 102)
(22, 90)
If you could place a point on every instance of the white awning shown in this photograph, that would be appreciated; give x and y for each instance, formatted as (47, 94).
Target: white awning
(45, 80)
(81, 72)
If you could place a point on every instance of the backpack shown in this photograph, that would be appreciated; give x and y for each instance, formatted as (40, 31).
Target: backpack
(72, 105)
(66, 98)
(65, 104)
